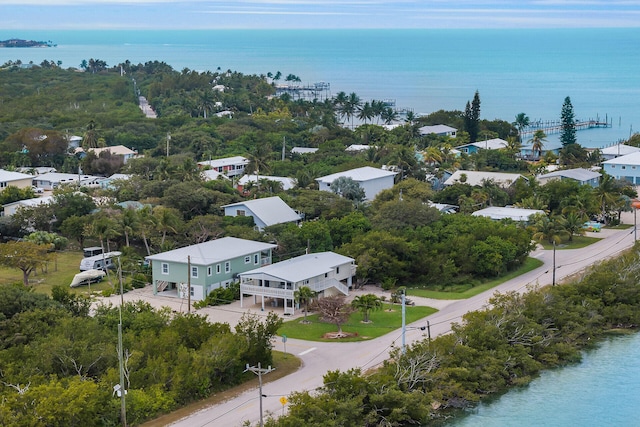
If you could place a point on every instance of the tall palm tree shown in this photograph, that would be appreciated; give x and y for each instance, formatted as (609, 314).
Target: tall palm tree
(606, 195)
(389, 115)
(352, 106)
(537, 142)
(574, 224)
(551, 230)
(366, 112)
(304, 295)
(522, 121)
(367, 303)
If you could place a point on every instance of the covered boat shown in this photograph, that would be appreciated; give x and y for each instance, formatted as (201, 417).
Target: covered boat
(86, 277)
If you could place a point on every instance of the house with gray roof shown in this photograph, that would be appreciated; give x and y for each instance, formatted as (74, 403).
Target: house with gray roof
(488, 144)
(265, 212)
(10, 209)
(582, 176)
(508, 212)
(478, 178)
(440, 130)
(617, 150)
(624, 167)
(15, 179)
(50, 181)
(247, 180)
(372, 180)
(194, 271)
(326, 273)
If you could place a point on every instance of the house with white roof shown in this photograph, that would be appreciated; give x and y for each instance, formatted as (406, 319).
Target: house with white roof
(110, 181)
(508, 212)
(49, 181)
(440, 130)
(212, 175)
(358, 148)
(265, 212)
(617, 150)
(478, 178)
(15, 179)
(624, 167)
(303, 150)
(325, 273)
(196, 270)
(372, 180)
(488, 144)
(10, 209)
(121, 151)
(582, 176)
(229, 166)
(287, 183)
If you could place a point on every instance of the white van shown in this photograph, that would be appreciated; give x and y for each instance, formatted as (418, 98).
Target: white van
(99, 262)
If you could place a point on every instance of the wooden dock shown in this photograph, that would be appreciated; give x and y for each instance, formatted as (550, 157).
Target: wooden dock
(319, 91)
(555, 126)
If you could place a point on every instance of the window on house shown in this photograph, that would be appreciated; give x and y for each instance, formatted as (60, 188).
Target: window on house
(624, 167)
(256, 259)
(209, 271)
(218, 269)
(191, 291)
(247, 259)
(165, 268)
(337, 270)
(227, 267)
(240, 212)
(194, 272)
(326, 274)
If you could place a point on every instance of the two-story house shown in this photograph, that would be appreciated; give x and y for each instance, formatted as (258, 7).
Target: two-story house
(372, 180)
(198, 269)
(326, 273)
(229, 166)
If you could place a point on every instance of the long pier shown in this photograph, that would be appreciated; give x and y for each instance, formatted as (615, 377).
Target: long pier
(555, 126)
(319, 91)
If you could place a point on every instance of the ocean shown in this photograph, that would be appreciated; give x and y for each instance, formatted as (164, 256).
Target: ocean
(514, 71)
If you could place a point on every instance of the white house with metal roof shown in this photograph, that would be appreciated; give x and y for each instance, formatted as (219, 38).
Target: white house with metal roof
(117, 151)
(287, 183)
(326, 273)
(478, 178)
(303, 150)
(508, 212)
(440, 130)
(14, 179)
(198, 269)
(49, 181)
(582, 176)
(10, 209)
(265, 212)
(624, 167)
(372, 180)
(229, 166)
(617, 150)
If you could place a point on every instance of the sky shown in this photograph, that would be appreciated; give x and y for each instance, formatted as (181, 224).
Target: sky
(315, 14)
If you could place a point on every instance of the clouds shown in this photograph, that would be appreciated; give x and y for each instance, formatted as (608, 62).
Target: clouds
(225, 14)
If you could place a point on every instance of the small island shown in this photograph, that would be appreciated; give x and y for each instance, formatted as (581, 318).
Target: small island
(25, 43)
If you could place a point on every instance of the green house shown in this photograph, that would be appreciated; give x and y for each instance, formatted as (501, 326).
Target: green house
(198, 269)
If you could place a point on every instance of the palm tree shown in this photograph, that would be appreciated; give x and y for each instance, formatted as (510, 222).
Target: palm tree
(514, 146)
(366, 112)
(128, 222)
(304, 295)
(606, 195)
(432, 156)
(166, 219)
(537, 142)
(550, 230)
(389, 115)
(574, 224)
(522, 121)
(352, 106)
(367, 303)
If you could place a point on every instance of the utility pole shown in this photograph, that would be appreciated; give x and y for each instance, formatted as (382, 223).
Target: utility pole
(188, 283)
(259, 371)
(121, 390)
(553, 279)
(404, 327)
(168, 139)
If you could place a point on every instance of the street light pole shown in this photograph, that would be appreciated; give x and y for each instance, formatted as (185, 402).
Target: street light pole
(553, 280)
(404, 327)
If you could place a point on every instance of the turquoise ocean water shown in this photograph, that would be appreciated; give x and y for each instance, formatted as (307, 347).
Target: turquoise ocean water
(603, 390)
(529, 71)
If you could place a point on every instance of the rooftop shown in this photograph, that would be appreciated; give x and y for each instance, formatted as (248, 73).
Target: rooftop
(303, 267)
(213, 251)
(360, 174)
(270, 210)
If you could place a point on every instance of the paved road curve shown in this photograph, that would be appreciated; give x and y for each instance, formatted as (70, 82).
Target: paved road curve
(320, 357)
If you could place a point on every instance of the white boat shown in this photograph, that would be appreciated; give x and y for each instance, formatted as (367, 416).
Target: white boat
(87, 277)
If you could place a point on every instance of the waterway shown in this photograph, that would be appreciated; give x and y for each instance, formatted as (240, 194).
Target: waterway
(602, 390)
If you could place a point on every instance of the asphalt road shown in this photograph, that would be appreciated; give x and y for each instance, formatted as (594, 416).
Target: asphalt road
(320, 357)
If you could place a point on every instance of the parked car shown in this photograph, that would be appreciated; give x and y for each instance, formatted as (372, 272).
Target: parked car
(592, 226)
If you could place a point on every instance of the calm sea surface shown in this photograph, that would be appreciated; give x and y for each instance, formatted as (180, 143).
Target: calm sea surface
(603, 390)
(529, 71)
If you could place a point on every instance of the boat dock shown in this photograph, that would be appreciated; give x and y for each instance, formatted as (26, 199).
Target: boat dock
(550, 127)
(316, 91)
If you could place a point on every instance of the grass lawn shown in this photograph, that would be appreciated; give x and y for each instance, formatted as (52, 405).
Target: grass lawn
(383, 321)
(58, 272)
(530, 264)
(577, 243)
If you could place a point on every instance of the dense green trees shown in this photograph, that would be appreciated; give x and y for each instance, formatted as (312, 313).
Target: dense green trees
(59, 364)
